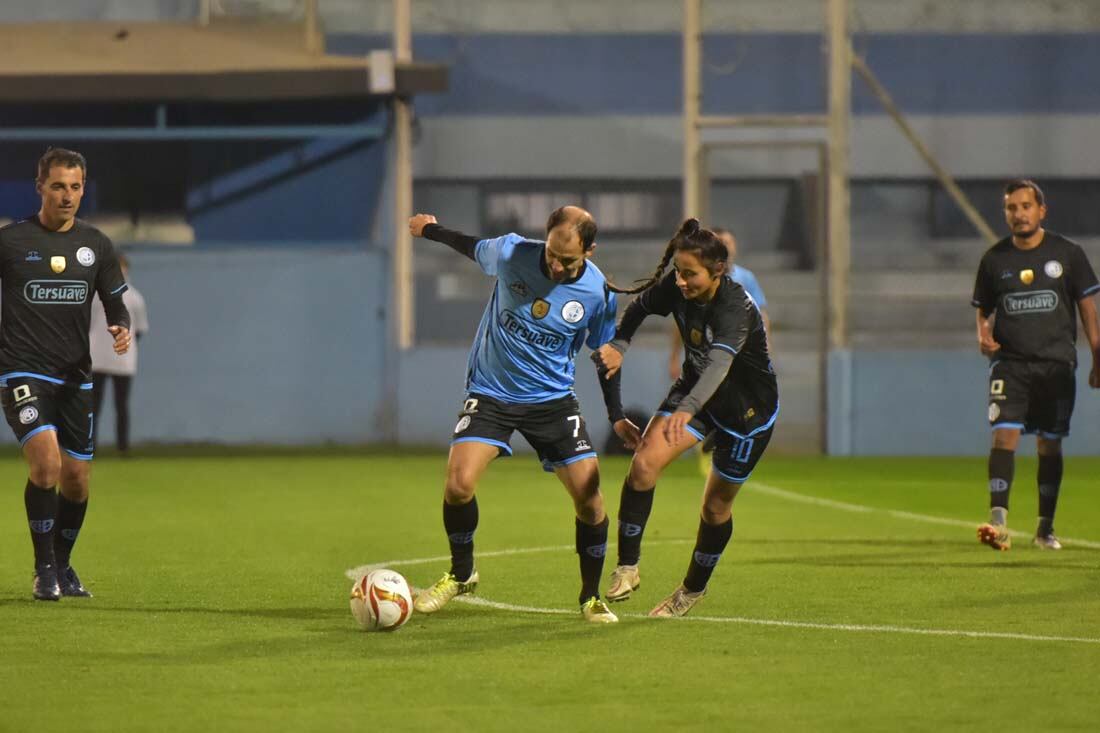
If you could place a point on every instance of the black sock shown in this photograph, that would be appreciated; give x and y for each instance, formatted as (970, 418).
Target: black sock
(41, 507)
(634, 508)
(591, 548)
(1002, 465)
(70, 517)
(460, 521)
(709, 543)
(1050, 483)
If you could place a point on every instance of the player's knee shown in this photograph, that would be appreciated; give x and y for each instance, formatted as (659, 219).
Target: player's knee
(1006, 439)
(644, 471)
(1048, 446)
(45, 471)
(460, 487)
(74, 482)
(716, 510)
(590, 509)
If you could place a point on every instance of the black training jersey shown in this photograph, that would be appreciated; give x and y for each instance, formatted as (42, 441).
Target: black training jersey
(47, 280)
(731, 321)
(1034, 294)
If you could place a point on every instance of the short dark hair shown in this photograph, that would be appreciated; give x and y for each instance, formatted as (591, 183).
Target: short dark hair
(54, 157)
(584, 226)
(1015, 185)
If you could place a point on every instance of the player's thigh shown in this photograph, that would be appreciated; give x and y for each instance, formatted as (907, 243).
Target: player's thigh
(655, 452)
(466, 463)
(736, 456)
(1009, 394)
(582, 480)
(558, 433)
(76, 422)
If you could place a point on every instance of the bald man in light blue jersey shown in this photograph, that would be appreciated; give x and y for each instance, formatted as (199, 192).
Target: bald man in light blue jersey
(549, 301)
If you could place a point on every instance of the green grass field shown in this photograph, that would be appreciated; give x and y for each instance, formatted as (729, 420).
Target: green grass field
(221, 604)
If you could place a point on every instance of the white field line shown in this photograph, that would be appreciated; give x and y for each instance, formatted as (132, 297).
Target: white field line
(474, 601)
(757, 487)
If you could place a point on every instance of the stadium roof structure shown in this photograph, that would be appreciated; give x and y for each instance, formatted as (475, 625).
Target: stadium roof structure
(169, 62)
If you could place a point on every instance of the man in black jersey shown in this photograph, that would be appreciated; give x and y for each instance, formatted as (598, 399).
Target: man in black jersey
(50, 264)
(1029, 289)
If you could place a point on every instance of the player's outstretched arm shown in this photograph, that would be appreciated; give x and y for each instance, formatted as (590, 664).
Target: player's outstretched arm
(425, 225)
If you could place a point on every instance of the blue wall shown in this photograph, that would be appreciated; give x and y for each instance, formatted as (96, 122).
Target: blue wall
(260, 346)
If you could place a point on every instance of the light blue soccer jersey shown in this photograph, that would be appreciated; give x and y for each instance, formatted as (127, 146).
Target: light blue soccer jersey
(533, 327)
(748, 281)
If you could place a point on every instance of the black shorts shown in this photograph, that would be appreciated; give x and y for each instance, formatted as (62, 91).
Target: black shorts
(1032, 396)
(737, 448)
(555, 429)
(35, 403)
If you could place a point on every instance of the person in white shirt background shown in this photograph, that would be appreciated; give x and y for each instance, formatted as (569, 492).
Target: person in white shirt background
(118, 368)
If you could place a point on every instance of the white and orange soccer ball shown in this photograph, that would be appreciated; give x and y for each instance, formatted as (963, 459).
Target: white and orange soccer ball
(381, 601)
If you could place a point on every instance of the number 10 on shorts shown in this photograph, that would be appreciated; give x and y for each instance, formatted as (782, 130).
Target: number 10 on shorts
(741, 450)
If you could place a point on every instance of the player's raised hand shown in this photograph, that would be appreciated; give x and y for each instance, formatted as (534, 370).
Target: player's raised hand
(122, 338)
(418, 222)
(628, 432)
(1094, 376)
(608, 360)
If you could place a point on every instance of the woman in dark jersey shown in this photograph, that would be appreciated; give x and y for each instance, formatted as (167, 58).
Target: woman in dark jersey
(727, 386)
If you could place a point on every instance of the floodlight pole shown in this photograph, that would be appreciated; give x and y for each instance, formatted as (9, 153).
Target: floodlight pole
(403, 186)
(840, 104)
(693, 150)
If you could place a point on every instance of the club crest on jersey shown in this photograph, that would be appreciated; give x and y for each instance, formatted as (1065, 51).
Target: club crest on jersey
(28, 414)
(1027, 276)
(57, 264)
(540, 308)
(696, 337)
(572, 311)
(85, 256)
(1053, 269)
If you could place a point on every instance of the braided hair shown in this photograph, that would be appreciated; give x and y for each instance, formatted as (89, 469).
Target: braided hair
(690, 237)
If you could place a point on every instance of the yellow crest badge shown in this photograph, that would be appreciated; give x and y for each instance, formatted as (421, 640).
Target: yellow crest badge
(696, 336)
(1026, 276)
(540, 308)
(57, 264)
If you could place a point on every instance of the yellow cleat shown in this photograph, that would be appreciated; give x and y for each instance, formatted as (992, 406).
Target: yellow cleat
(678, 604)
(624, 581)
(440, 594)
(996, 536)
(596, 612)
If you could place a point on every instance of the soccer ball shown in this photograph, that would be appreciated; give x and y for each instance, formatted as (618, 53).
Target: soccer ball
(381, 601)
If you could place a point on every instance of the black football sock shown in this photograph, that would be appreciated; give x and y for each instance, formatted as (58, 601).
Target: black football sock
(460, 521)
(70, 518)
(1002, 466)
(634, 508)
(41, 507)
(591, 548)
(1050, 484)
(710, 541)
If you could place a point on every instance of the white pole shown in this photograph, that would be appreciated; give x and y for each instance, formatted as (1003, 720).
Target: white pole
(839, 242)
(692, 93)
(403, 193)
